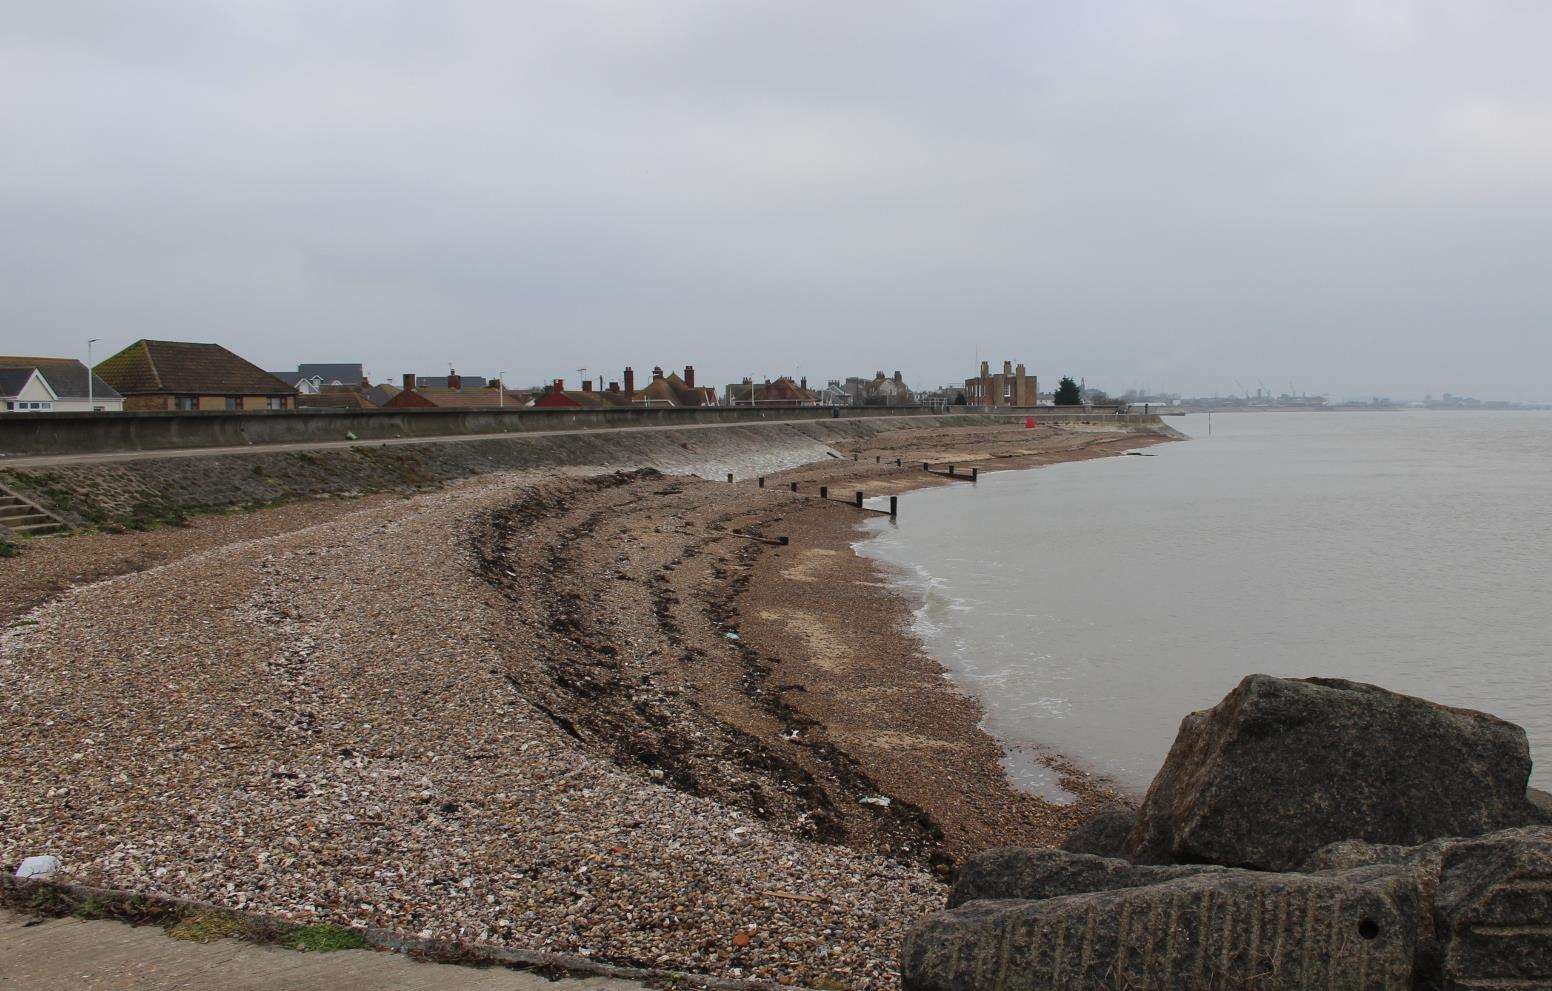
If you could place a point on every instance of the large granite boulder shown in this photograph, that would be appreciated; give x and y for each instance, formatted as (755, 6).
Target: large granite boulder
(1104, 833)
(1235, 929)
(1282, 767)
(1033, 873)
(1426, 862)
(1493, 911)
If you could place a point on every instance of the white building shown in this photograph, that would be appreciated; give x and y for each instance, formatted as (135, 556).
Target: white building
(53, 385)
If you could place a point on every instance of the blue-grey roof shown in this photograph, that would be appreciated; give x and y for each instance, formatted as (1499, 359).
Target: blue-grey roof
(440, 381)
(12, 380)
(66, 376)
(342, 372)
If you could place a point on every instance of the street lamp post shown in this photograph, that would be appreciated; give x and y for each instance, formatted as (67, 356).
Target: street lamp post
(91, 399)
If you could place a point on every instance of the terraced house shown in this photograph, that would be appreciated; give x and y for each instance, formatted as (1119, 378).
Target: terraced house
(182, 376)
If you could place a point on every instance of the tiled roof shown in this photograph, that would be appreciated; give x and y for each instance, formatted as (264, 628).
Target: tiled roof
(13, 380)
(66, 376)
(179, 367)
(481, 398)
(783, 390)
(337, 397)
(459, 399)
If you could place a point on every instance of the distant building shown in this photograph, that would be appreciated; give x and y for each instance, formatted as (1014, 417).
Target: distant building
(1012, 388)
(782, 392)
(178, 375)
(557, 396)
(52, 385)
(670, 390)
(446, 381)
(881, 391)
(943, 396)
(489, 394)
(337, 397)
(314, 378)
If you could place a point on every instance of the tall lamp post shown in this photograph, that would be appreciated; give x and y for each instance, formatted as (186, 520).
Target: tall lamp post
(501, 390)
(91, 398)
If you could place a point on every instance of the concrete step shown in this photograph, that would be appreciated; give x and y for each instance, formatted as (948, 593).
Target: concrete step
(37, 529)
(11, 519)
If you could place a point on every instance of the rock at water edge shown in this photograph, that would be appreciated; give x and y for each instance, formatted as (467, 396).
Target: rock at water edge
(1282, 767)
(1237, 930)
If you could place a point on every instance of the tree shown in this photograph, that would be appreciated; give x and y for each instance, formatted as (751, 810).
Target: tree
(1067, 393)
(959, 399)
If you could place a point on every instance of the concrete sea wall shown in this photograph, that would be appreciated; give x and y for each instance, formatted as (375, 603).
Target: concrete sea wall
(152, 489)
(23, 434)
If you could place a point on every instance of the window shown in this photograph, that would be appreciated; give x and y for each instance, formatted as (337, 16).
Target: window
(232, 402)
(277, 402)
(186, 403)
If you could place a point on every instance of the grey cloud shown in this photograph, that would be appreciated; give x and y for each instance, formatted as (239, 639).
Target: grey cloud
(1348, 196)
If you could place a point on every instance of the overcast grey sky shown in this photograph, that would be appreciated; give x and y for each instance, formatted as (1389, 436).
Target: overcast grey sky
(1349, 195)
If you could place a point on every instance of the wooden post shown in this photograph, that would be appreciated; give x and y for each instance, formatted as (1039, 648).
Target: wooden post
(762, 481)
(894, 506)
(897, 462)
(975, 474)
(730, 476)
(794, 486)
(878, 459)
(824, 491)
(950, 471)
(859, 498)
(926, 466)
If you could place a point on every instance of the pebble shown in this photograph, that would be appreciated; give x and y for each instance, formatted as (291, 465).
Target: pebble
(296, 714)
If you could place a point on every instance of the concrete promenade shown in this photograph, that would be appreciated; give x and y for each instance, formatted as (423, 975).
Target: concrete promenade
(75, 955)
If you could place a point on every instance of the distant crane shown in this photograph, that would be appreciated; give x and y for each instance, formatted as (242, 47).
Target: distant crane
(581, 376)
(1242, 388)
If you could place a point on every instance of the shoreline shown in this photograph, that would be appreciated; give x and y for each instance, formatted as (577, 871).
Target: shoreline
(532, 710)
(856, 621)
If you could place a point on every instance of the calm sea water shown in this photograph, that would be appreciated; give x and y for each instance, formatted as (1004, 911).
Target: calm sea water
(1092, 605)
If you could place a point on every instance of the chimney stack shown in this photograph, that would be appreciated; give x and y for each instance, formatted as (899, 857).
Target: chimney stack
(560, 385)
(614, 387)
(689, 376)
(657, 372)
(495, 384)
(366, 381)
(803, 383)
(1007, 369)
(454, 380)
(409, 381)
(985, 370)
(899, 377)
(587, 385)
(630, 383)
